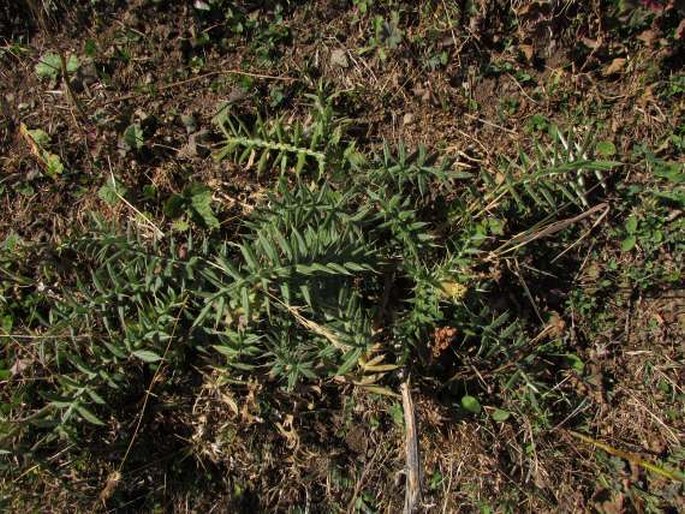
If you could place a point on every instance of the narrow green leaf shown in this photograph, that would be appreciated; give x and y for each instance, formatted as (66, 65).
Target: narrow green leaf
(95, 397)
(304, 289)
(245, 302)
(350, 360)
(147, 356)
(226, 351)
(88, 416)
(249, 257)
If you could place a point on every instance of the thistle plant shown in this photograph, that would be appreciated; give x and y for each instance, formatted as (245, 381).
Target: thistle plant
(345, 270)
(277, 144)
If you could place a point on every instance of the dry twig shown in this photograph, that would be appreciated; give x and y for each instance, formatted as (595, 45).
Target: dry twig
(412, 497)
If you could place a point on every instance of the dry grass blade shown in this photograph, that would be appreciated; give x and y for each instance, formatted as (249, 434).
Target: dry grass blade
(148, 222)
(312, 325)
(33, 146)
(209, 74)
(552, 228)
(148, 391)
(631, 457)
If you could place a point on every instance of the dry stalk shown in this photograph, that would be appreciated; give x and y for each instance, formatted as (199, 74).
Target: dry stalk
(412, 497)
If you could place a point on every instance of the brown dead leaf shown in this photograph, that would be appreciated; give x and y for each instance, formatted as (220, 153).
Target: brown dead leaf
(422, 91)
(357, 440)
(680, 30)
(339, 58)
(528, 51)
(442, 339)
(648, 37)
(19, 366)
(288, 431)
(38, 154)
(534, 11)
(616, 66)
(613, 505)
(592, 44)
(112, 481)
(557, 324)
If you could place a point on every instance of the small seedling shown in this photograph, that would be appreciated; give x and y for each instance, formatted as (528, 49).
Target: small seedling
(39, 140)
(387, 35)
(132, 139)
(196, 202)
(50, 66)
(112, 192)
(630, 240)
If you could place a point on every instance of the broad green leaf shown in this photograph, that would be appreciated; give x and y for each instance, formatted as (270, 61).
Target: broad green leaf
(73, 63)
(605, 149)
(174, 206)
(631, 224)
(202, 205)
(673, 171)
(133, 137)
(500, 415)
(180, 225)
(54, 164)
(49, 66)
(471, 404)
(6, 323)
(672, 196)
(40, 137)
(397, 414)
(628, 243)
(575, 362)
